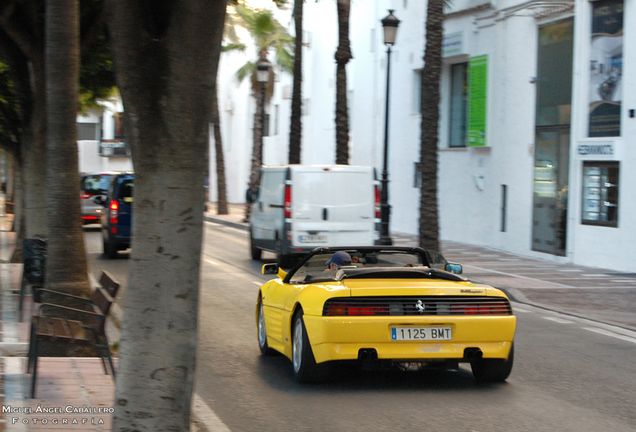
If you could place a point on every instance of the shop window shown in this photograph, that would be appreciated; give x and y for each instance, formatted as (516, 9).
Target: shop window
(600, 193)
(458, 105)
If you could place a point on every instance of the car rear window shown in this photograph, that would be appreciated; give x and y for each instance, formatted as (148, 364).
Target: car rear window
(95, 184)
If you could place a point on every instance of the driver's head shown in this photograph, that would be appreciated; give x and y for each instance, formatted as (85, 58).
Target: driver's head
(338, 259)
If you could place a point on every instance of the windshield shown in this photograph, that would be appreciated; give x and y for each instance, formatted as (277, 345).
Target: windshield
(96, 184)
(316, 265)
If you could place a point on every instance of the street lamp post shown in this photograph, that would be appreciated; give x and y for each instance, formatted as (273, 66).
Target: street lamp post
(390, 25)
(263, 69)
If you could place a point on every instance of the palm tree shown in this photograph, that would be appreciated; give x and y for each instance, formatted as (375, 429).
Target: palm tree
(268, 34)
(429, 223)
(67, 268)
(343, 55)
(295, 128)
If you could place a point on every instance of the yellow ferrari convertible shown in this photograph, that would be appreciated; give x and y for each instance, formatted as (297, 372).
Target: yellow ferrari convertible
(383, 306)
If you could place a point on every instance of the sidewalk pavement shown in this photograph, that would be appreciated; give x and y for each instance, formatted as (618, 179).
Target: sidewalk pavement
(596, 294)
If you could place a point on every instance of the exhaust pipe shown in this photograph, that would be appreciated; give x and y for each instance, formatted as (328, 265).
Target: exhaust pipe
(367, 354)
(471, 354)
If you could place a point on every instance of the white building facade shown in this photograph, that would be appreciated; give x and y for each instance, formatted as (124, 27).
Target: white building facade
(537, 133)
(100, 139)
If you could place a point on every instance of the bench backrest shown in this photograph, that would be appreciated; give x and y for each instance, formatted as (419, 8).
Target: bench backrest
(109, 284)
(102, 300)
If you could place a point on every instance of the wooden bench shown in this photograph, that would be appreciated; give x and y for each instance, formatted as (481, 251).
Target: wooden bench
(84, 325)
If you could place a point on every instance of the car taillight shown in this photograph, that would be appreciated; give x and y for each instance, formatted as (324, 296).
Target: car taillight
(114, 212)
(378, 207)
(84, 195)
(494, 308)
(287, 205)
(344, 309)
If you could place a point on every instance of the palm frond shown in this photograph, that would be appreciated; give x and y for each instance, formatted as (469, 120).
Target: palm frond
(248, 69)
(234, 47)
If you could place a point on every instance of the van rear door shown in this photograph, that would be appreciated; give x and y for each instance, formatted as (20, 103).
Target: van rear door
(333, 206)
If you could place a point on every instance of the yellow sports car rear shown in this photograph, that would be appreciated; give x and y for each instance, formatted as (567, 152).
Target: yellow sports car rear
(384, 306)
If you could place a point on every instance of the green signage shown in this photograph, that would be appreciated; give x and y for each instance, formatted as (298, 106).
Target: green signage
(477, 80)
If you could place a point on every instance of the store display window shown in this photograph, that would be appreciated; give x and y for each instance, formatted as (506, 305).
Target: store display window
(600, 193)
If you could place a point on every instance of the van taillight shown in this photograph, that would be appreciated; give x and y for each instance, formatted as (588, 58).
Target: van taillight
(378, 207)
(287, 201)
(114, 212)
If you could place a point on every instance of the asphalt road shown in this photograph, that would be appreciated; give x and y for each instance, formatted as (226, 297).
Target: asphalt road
(569, 374)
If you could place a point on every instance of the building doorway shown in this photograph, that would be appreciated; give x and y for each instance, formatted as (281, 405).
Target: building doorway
(552, 137)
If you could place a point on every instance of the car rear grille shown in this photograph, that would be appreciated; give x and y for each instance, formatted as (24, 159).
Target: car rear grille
(416, 306)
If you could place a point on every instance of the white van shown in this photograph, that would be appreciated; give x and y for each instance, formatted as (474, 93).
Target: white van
(297, 208)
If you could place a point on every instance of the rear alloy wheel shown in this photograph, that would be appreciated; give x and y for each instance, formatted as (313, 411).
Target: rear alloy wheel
(262, 332)
(305, 367)
(493, 370)
(255, 252)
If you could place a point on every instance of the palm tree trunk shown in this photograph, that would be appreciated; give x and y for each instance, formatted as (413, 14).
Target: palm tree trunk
(257, 148)
(33, 155)
(343, 55)
(295, 129)
(67, 269)
(429, 223)
(221, 201)
(167, 116)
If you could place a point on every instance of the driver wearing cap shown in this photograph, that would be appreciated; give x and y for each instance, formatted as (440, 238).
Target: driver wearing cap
(338, 259)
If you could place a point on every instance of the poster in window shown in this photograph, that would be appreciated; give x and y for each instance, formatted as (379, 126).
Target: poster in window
(606, 68)
(477, 83)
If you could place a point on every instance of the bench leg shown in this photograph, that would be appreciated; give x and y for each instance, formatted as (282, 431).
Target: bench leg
(32, 344)
(23, 285)
(35, 368)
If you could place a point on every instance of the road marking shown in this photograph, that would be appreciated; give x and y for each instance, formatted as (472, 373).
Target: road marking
(558, 320)
(203, 413)
(610, 334)
(257, 283)
(209, 261)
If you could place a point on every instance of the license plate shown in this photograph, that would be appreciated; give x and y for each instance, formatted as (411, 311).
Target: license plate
(313, 238)
(421, 333)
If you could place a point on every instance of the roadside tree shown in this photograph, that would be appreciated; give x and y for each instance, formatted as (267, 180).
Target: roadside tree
(295, 127)
(268, 34)
(67, 268)
(343, 55)
(22, 48)
(429, 218)
(166, 57)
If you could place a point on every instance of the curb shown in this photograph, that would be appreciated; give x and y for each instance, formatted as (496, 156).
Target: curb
(240, 225)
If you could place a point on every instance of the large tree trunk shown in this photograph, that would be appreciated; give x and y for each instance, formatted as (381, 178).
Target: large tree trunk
(295, 128)
(66, 266)
(429, 224)
(166, 56)
(343, 55)
(221, 201)
(34, 156)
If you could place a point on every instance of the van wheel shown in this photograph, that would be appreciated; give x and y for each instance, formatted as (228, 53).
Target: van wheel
(255, 252)
(110, 249)
(285, 261)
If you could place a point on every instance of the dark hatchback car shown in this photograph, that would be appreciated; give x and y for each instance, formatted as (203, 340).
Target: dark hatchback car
(91, 186)
(117, 215)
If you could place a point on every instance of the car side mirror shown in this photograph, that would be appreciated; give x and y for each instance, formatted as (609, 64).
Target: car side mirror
(270, 269)
(454, 268)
